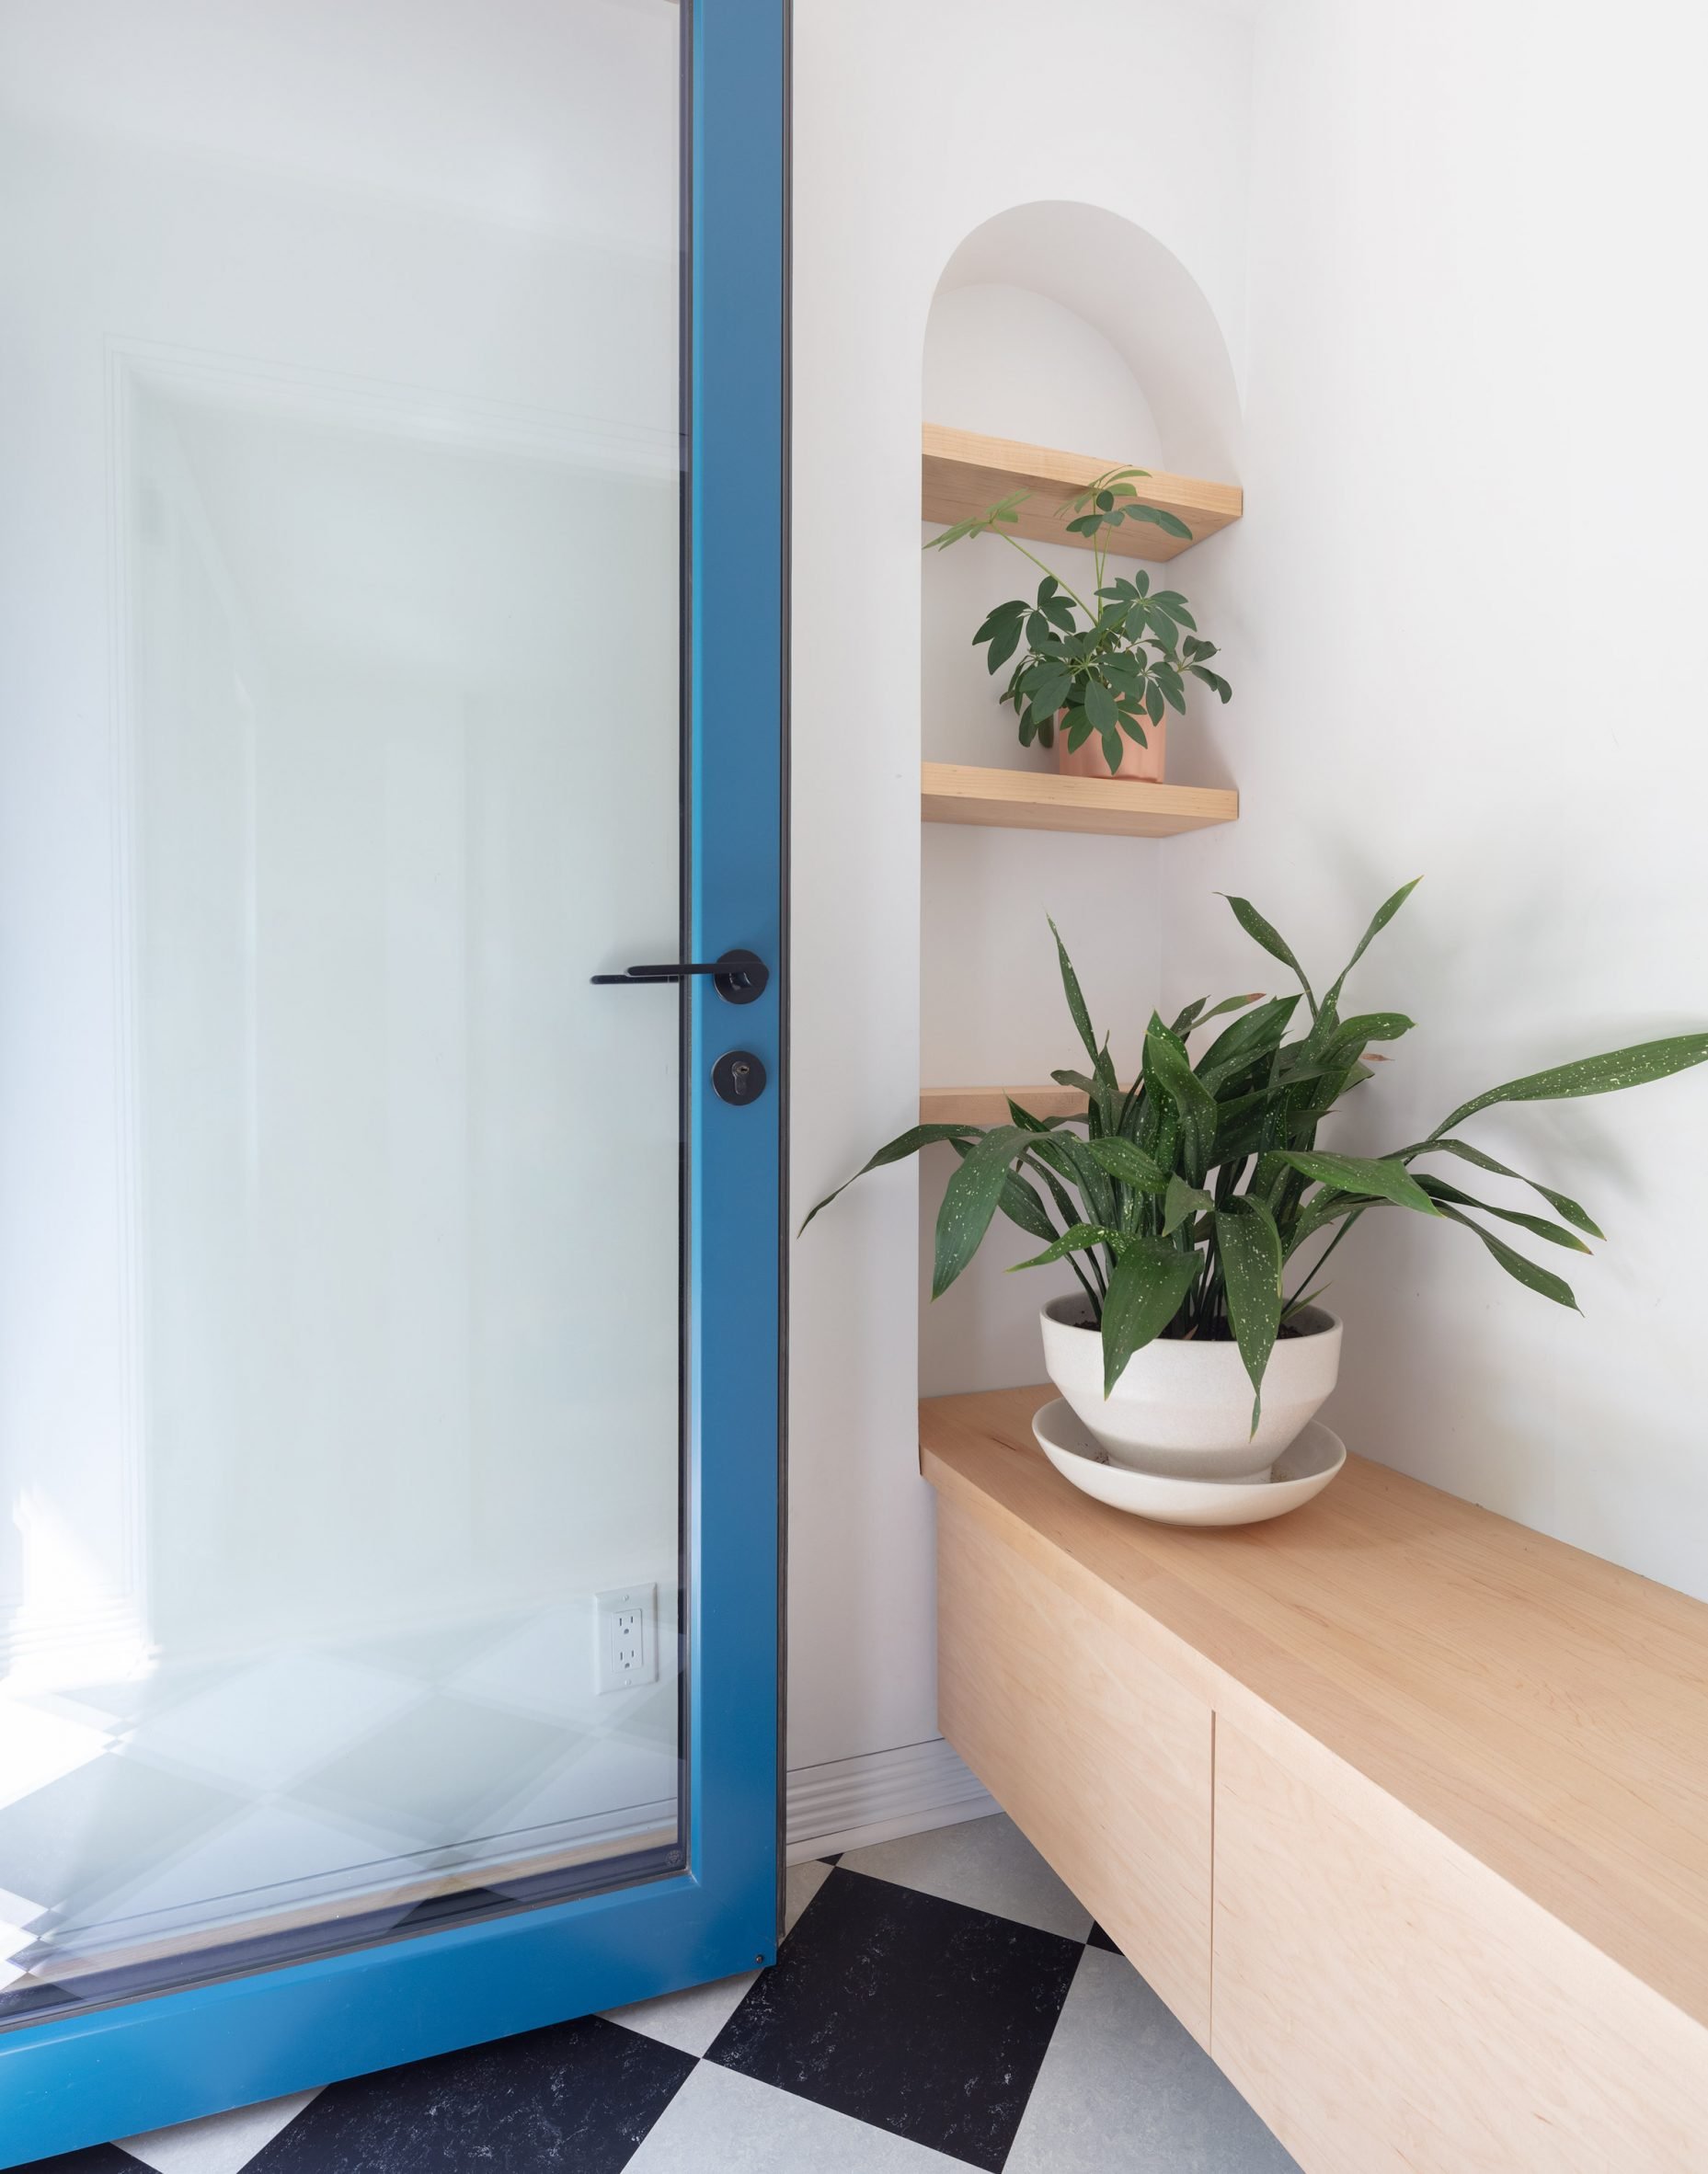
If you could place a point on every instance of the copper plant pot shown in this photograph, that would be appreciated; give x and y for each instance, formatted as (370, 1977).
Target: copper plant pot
(1145, 764)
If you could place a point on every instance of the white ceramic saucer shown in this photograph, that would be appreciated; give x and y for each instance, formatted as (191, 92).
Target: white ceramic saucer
(1303, 1468)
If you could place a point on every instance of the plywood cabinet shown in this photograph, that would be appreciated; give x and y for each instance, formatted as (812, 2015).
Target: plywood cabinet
(1402, 1809)
(1095, 1752)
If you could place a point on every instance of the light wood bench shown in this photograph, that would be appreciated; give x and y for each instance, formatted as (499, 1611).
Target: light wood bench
(1400, 1807)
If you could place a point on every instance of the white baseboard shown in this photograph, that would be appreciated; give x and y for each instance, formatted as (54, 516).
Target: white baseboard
(847, 1804)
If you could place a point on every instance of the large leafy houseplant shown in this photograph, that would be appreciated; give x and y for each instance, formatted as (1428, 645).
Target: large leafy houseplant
(1187, 1205)
(1128, 662)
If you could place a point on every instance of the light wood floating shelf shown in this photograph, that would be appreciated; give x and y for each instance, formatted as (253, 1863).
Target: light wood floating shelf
(1042, 800)
(965, 473)
(1389, 1760)
(989, 1105)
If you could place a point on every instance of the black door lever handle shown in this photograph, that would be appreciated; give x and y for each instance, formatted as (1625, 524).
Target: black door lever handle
(738, 976)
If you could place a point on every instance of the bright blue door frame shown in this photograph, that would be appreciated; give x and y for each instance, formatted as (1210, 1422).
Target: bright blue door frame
(145, 2064)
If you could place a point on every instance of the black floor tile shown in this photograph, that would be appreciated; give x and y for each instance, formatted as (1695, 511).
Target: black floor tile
(576, 2098)
(1097, 1938)
(99, 2158)
(920, 2016)
(835, 1857)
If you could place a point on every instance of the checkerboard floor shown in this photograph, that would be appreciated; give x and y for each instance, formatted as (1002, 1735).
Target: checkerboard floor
(940, 2001)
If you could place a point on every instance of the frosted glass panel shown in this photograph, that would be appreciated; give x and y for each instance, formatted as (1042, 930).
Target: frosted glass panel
(339, 693)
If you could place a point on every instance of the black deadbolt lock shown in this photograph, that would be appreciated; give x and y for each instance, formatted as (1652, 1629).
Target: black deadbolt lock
(738, 1076)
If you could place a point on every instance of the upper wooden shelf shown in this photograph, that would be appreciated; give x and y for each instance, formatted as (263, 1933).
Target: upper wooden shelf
(1043, 800)
(965, 473)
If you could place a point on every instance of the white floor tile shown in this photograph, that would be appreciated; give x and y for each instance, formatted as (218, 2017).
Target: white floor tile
(1124, 2085)
(220, 2145)
(720, 2122)
(267, 1724)
(800, 1883)
(688, 2021)
(986, 1863)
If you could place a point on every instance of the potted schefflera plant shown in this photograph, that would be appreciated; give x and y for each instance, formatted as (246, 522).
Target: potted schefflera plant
(1095, 679)
(1197, 1210)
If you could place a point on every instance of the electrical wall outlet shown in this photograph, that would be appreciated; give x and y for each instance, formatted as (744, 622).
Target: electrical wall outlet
(627, 1622)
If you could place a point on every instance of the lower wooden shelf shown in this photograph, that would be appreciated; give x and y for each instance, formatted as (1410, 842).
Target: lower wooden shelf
(1400, 1807)
(989, 1105)
(1042, 800)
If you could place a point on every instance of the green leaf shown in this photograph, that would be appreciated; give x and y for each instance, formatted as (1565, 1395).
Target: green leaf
(1318, 1211)
(1271, 940)
(1384, 915)
(1168, 1072)
(1145, 1291)
(1386, 1179)
(1525, 1272)
(1081, 1238)
(976, 524)
(998, 617)
(1187, 1018)
(1247, 1042)
(1232, 1003)
(1037, 628)
(1440, 1191)
(1099, 707)
(904, 1144)
(970, 1200)
(1250, 1249)
(1070, 982)
(1183, 1202)
(1352, 1034)
(1131, 1164)
(1020, 1203)
(1049, 689)
(1562, 1204)
(1171, 524)
(1634, 1067)
(1003, 644)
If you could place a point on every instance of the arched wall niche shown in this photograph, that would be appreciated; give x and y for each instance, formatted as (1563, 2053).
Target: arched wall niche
(1121, 284)
(1066, 326)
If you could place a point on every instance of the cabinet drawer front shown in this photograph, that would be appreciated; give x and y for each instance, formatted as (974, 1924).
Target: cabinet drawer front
(1099, 1758)
(1391, 2007)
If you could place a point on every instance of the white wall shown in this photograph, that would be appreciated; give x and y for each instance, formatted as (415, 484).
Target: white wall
(1459, 616)
(914, 127)
(1453, 257)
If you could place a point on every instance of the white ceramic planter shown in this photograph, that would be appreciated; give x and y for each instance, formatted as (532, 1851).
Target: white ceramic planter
(1185, 1409)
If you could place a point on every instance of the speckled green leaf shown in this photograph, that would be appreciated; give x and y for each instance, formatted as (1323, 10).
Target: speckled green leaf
(904, 1144)
(1634, 1067)
(1181, 1202)
(1525, 1272)
(970, 1199)
(1441, 1191)
(1082, 1238)
(1131, 1164)
(1562, 1203)
(1361, 1174)
(1270, 938)
(1249, 1247)
(1150, 1281)
(1076, 1002)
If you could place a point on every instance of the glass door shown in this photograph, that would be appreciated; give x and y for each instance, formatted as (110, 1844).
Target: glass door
(390, 639)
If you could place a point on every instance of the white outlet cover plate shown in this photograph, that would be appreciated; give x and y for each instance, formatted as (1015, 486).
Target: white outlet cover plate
(626, 1628)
